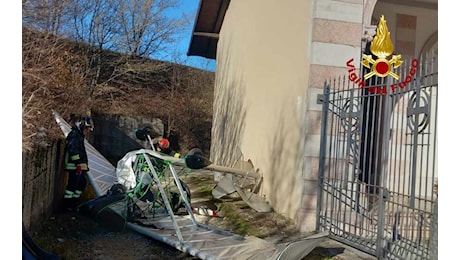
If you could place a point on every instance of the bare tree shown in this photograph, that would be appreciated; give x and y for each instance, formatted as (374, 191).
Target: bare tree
(135, 27)
(146, 28)
(91, 71)
(44, 15)
(92, 22)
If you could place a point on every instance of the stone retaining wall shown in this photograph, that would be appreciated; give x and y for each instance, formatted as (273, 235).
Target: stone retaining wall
(42, 181)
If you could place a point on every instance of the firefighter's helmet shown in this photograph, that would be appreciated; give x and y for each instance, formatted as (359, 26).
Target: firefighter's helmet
(163, 143)
(86, 122)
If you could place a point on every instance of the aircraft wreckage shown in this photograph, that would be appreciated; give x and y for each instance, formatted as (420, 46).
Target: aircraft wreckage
(144, 193)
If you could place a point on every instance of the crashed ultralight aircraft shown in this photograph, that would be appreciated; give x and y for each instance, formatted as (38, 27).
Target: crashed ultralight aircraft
(117, 189)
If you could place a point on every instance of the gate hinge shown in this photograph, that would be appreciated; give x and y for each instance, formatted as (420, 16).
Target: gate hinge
(319, 99)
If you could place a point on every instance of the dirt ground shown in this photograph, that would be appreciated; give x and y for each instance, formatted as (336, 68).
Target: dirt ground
(75, 236)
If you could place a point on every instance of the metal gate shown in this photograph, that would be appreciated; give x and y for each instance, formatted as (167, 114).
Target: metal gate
(378, 162)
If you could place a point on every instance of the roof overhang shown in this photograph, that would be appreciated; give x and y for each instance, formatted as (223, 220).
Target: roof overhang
(208, 22)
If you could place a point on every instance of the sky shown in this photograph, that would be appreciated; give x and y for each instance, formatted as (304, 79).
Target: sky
(190, 6)
(11, 100)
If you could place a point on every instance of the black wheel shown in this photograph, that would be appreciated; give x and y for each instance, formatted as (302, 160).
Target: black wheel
(143, 131)
(117, 189)
(195, 159)
(195, 151)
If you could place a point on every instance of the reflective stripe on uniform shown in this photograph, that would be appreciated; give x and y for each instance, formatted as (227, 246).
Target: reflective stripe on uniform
(77, 194)
(68, 165)
(75, 157)
(68, 194)
(84, 166)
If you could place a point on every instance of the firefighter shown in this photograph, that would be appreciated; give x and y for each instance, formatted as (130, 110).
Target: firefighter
(162, 146)
(76, 162)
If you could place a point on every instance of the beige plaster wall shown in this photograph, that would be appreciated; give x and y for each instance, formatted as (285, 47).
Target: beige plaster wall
(260, 94)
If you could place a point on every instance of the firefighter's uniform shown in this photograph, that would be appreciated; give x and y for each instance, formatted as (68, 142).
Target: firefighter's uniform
(76, 164)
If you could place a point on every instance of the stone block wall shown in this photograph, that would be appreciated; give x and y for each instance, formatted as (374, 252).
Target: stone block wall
(114, 135)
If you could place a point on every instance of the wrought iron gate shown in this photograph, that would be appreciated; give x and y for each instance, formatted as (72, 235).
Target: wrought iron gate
(378, 162)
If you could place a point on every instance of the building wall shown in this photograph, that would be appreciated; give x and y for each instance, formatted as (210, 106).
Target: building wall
(272, 63)
(337, 33)
(410, 26)
(260, 94)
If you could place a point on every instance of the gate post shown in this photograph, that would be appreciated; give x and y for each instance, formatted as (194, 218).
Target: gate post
(387, 110)
(322, 152)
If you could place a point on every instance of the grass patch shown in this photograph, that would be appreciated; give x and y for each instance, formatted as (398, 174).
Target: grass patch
(237, 222)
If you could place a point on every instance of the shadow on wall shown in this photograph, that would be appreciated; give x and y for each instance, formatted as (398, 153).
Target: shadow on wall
(285, 161)
(229, 117)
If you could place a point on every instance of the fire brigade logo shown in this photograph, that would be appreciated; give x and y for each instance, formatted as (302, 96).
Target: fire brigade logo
(382, 47)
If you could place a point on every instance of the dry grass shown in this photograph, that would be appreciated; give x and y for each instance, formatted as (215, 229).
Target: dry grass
(61, 75)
